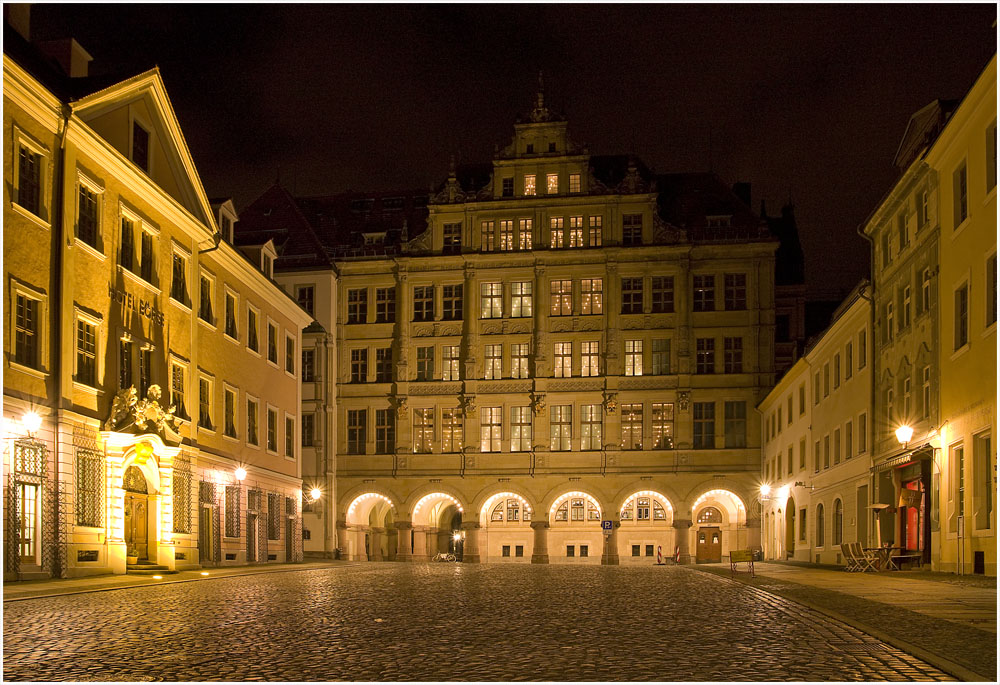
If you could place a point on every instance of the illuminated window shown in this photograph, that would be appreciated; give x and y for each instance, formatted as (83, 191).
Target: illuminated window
(524, 234)
(490, 429)
(449, 363)
(423, 430)
(552, 184)
(663, 425)
(631, 426)
(507, 235)
(556, 233)
(561, 427)
(519, 360)
(574, 183)
(633, 357)
(561, 298)
(591, 426)
(588, 358)
(493, 361)
(595, 237)
(563, 358)
(576, 231)
(491, 300)
(488, 243)
(591, 296)
(520, 429)
(529, 184)
(520, 299)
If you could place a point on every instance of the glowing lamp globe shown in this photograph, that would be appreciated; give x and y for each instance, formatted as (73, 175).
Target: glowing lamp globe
(31, 421)
(315, 493)
(765, 489)
(240, 473)
(903, 434)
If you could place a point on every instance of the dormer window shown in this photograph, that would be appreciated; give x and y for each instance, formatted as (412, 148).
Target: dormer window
(364, 205)
(718, 221)
(266, 264)
(392, 204)
(226, 227)
(374, 238)
(140, 146)
(552, 147)
(531, 148)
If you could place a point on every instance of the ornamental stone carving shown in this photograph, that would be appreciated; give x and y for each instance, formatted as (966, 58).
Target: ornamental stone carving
(467, 403)
(560, 325)
(422, 331)
(610, 402)
(399, 403)
(130, 414)
(683, 400)
(537, 403)
(492, 329)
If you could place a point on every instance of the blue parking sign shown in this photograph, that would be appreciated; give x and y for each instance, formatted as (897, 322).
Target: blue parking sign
(606, 525)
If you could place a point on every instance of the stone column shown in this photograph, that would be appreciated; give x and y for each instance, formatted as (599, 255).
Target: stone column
(610, 555)
(376, 544)
(753, 533)
(359, 551)
(681, 527)
(403, 531)
(419, 545)
(540, 551)
(470, 554)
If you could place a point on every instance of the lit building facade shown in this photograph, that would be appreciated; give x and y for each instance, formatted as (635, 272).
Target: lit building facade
(544, 343)
(964, 159)
(817, 454)
(151, 393)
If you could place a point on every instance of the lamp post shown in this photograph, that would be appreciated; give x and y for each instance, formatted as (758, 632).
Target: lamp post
(903, 435)
(31, 422)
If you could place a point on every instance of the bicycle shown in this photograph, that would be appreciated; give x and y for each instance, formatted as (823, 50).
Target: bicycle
(441, 556)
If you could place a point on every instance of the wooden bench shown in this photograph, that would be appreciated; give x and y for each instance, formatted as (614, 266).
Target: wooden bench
(738, 556)
(901, 559)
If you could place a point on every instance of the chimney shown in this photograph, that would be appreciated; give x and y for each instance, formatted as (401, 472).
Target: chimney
(742, 191)
(18, 15)
(70, 55)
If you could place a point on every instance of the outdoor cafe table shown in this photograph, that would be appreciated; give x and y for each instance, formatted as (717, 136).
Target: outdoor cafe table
(884, 557)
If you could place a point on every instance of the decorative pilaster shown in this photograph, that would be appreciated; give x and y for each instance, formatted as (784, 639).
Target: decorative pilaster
(471, 548)
(404, 532)
(540, 551)
(682, 539)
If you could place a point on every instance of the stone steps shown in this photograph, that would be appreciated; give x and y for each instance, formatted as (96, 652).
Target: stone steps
(147, 568)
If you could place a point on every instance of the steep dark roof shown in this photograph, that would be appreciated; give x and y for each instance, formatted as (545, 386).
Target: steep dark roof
(922, 129)
(341, 221)
(789, 261)
(612, 169)
(276, 216)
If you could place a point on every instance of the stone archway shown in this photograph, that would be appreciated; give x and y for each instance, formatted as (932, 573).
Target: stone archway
(369, 516)
(647, 527)
(506, 519)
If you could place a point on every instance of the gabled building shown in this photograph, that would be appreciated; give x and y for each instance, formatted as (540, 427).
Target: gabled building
(151, 396)
(546, 342)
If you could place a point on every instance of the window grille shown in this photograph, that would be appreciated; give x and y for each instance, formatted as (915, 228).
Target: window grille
(89, 469)
(29, 457)
(273, 516)
(182, 501)
(232, 511)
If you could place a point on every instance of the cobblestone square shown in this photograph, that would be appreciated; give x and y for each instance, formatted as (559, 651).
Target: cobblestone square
(443, 622)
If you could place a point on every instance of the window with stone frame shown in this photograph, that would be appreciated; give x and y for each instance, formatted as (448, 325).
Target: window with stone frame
(452, 238)
(557, 234)
(552, 184)
(663, 425)
(451, 302)
(592, 296)
(272, 430)
(423, 430)
(359, 365)
(632, 229)
(252, 436)
(206, 310)
(560, 427)
(961, 193)
(385, 305)
(305, 296)
(733, 354)
(561, 293)
(178, 282)
(272, 343)
(88, 217)
(26, 331)
(452, 430)
(425, 363)
(703, 414)
(520, 299)
(290, 354)
(450, 363)
(488, 239)
(490, 429)
(524, 234)
(589, 356)
(86, 353)
(229, 412)
(308, 429)
(289, 436)
(704, 293)
(631, 426)
(231, 330)
(961, 336)
(29, 180)
(595, 237)
(632, 295)
(591, 426)
(519, 360)
(423, 303)
(492, 367)
(735, 292)
(633, 357)
(661, 356)
(383, 365)
(520, 429)
(205, 404)
(663, 294)
(177, 390)
(705, 355)
(563, 360)
(576, 231)
(490, 300)
(385, 431)
(507, 187)
(735, 424)
(357, 420)
(308, 365)
(574, 183)
(506, 235)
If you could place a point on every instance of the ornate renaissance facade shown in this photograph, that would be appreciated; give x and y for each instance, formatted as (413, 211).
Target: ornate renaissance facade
(150, 374)
(543, 343)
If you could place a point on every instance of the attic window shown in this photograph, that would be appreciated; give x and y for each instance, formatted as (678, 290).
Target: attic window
(140, 146)
(718, 221)
(227, 228)
(362, 205)
(374, 238)
(552, 147)
(266, 264)
(392, 204)
(420, 201)
(531, 148)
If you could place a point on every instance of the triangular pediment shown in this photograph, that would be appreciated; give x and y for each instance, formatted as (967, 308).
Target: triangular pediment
(113, 113)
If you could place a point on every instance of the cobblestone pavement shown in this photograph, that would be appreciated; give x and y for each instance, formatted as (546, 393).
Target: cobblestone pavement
(444, 622)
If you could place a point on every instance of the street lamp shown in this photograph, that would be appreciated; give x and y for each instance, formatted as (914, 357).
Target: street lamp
(765, 492)
(240, 473)
(315, 494)
(903, 435)
(31, 422)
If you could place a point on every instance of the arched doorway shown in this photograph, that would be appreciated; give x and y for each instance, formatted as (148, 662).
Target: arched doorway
(709, 540)
(575, 536)
(720, 525)
(506, 520)
(646, 528)
(790, 529)
(136, 513)
(438, 516)
(369, 517)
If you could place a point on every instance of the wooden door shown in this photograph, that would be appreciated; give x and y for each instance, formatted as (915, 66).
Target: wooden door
(27, 495)
(136, 525)
(709, 545)
(289, 542)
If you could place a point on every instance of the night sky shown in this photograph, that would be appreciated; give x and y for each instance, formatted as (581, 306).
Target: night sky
(805, 102)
